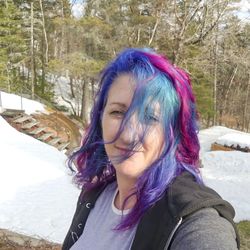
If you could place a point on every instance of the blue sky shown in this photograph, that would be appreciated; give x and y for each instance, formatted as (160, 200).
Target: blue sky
(77, 7)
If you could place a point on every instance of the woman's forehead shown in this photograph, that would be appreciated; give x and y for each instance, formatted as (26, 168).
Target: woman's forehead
(122, 90)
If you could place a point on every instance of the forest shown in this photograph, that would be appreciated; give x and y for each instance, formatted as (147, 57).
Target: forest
(42, 39)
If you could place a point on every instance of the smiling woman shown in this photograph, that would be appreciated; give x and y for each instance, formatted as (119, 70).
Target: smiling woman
(118, 103)
(138, 165)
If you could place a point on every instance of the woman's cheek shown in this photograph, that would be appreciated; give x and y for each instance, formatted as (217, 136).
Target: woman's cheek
(110, 127)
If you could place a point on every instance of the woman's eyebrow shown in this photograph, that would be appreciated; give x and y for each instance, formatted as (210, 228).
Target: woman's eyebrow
(122, 105)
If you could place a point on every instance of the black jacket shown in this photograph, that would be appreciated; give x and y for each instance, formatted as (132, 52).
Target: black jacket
(156, 229)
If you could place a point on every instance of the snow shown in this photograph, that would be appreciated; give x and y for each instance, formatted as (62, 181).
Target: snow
(210, 135)
(38, 198)
(12, 101)
(235, 139)
(63, 93)
(227, 172)
(37, 195)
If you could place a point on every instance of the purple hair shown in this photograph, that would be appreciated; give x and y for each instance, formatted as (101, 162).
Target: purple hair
(157, 81)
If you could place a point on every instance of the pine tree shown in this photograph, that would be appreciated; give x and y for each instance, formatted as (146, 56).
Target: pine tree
(12, 46)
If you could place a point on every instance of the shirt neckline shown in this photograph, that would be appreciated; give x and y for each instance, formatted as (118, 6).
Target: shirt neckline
(115, 209)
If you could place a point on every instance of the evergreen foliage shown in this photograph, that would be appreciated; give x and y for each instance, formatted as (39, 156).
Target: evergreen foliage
(204, 37)
(12, 45)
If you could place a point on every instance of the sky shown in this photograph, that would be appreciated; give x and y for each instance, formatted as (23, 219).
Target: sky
(244, 13)
(244, 5)
(77, 7)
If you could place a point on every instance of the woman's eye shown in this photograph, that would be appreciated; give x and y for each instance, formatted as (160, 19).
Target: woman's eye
(151, 119)
(117, 113)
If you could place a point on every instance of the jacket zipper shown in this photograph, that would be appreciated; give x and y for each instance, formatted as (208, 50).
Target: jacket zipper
(172, 234)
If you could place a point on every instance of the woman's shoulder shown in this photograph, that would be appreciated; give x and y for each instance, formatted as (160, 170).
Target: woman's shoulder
(206, 216)
(205, 229)
(187, 196)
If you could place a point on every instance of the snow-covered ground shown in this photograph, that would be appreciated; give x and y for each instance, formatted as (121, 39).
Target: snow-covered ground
(209, 136)
(36, 193)
(37, 196)
(235, 139)
(12, 101)
(228, 172)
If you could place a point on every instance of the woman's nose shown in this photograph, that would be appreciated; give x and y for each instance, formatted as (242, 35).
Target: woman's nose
(127, 135)
(130, 133)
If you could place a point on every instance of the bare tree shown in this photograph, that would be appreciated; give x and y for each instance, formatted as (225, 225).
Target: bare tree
(32, 50)
(246, 106)
(44, 32)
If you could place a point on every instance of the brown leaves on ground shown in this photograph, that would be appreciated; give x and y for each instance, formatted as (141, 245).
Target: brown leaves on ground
(13, 241)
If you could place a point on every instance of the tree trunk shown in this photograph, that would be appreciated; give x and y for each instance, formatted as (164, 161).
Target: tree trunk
(85, 103)
(245, 112)
(44, 32)
(225, 100)
(71, 87)
(43, 66)
(158, 17)
(138, 36)
(61, 51)
(55, 54)
(215, 85)
(93, 88)
(32, 51)
(71, 105)
(215, 75)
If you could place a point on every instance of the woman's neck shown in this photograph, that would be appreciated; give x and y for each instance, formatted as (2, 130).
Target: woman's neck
(125, 188)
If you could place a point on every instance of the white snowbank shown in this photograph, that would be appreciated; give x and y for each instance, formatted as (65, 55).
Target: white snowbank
(235, 139)
(37, 197)
(227, 172)
(12, 101)
(210, 135)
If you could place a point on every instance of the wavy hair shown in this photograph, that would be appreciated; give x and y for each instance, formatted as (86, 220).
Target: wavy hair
(157, 82)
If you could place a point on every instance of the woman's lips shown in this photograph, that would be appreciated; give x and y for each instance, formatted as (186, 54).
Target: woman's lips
(126, 150)
(123, 150)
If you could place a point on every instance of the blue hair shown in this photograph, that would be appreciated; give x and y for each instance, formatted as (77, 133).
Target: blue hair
(157, 82)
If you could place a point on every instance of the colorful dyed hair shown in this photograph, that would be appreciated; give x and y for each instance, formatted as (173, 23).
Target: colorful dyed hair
(157, 82)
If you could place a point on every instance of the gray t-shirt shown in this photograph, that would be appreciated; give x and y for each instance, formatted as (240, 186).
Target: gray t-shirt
(98, 232)
(204, 230)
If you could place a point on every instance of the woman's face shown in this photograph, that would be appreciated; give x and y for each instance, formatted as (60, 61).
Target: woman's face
(119, 99)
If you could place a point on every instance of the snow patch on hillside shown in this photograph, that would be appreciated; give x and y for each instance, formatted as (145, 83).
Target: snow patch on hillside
(12, 101)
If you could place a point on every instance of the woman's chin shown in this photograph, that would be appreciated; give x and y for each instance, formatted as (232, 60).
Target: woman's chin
(128, 170)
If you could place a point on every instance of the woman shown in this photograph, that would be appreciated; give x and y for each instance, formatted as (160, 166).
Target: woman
(138, 165)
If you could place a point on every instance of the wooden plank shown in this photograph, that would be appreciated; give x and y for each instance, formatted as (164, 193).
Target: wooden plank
(22, 119)
(218, 147)
(36, 131)
(11, 112)
(54, 141)
(30, 125)
(63, 146)
(45, 136)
